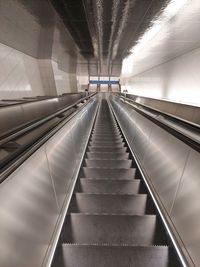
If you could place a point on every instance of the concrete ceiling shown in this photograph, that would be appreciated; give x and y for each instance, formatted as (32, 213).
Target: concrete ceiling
(106, 30)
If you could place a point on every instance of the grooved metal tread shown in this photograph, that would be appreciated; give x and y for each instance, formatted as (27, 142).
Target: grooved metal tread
(107, 173)
(108, 163)
(111, 221)
(110, 203)
(107, 155)
(121, 149)
(117, 256)
(103, 186)
(114, 229)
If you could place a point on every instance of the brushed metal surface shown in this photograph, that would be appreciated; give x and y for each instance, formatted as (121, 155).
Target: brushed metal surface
(32, 196)
(172, 168)
(64, 151)
(108, 163)
(98, 173)
(113, 229)
(109, 203)
(35, 110)
(28, 213)
(186, 209)
(164, 162)
(115, 256)
(92, 186)
(62, 161)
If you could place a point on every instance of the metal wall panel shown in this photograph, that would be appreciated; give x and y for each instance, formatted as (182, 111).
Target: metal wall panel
(186, 209)
(28, 213)
(164, 162)
(62, 159)
(173, 168)
(31, 198)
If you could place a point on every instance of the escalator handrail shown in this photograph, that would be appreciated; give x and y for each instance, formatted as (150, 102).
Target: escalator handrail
(37, 144)
(161, 120)
(171, 116)
(29, 126)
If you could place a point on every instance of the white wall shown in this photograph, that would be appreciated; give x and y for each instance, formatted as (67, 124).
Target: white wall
(37, 54)
(177, 80)
(20, 75)
(65, 82)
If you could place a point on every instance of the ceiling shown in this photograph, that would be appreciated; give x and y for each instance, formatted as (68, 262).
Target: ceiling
(177, 36)
(106, 30)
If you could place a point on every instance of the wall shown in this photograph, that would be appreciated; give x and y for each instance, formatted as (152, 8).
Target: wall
(37, 54)
(177, 80)
(167, 66)
(20, 75)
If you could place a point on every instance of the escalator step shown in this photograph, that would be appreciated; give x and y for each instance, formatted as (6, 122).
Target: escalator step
(121, 149)
(106, 143)
(110, 203)
(113, 164)
(116, 256)
(107, 155)
(113, 229)
(106, 138)
(94, 186)
(98, 173)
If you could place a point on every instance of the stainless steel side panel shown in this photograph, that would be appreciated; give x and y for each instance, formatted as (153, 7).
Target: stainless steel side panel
(61, 157)
(186, 209)
(28, 213)
(32, 197)
(173, 168)
(164, 162)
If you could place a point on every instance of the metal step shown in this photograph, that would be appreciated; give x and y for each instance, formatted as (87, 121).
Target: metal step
(106, 138)
(107, 155)
(113, 229)
(97, 173)
(121, 149)
(108, 163)
(111, 130)
(115, 256)
(107, 145)
(111, 221)
(110, 204)
(106, 135)
(105, 142)
(94, 186)
(106, 127)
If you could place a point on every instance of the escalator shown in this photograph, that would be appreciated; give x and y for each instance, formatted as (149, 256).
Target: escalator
(111, 219)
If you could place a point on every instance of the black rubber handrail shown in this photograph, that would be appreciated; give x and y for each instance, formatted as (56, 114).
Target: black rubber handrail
(9, 136)
(184, 130)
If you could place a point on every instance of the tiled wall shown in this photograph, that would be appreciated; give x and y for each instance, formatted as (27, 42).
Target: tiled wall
(37, 54)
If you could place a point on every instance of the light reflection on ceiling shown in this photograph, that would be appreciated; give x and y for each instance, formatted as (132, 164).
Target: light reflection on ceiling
(106, 30)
